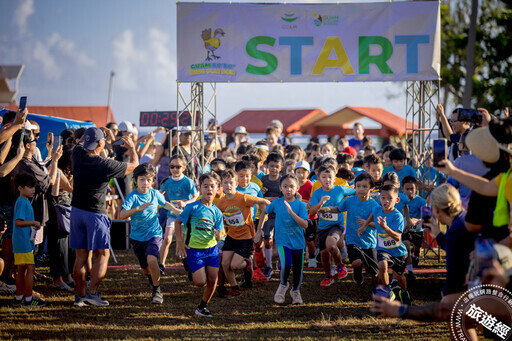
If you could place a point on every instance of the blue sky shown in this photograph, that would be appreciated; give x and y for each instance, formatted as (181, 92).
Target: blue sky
(69, 48)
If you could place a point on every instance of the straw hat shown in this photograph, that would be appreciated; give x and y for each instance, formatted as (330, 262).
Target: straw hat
(483, 145)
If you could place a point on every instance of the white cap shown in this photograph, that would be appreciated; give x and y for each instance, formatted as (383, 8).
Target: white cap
(185, 128)
(30, 126)
(303, 164)
(126, 126)
(240, 130)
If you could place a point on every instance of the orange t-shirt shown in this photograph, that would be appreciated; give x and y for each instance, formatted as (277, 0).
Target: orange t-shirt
(237, 215)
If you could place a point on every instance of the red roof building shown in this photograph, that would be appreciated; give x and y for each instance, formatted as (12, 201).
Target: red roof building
(340, 123)
(256, 121)
(100, 115)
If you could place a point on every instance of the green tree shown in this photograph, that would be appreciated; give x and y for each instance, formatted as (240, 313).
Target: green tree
(492, 70)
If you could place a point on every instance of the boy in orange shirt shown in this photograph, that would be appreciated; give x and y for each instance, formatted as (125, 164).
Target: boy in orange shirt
(238, 245)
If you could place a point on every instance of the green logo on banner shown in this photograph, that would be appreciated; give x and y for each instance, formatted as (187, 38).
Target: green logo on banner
(289, 17)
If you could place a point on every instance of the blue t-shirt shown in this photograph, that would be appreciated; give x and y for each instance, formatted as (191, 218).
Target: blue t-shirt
(395, 221)
(415, 206)
(260, 174)
(144, 223)
(357, 144)
(336, 194)
(200, 223)
(183, 189)
(287, 232)
(357, 209)
(253, 190)
(402, 173)
(21, 235)
(431, 175)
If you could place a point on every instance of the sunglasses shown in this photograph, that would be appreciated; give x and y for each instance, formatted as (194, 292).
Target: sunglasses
(174, 167)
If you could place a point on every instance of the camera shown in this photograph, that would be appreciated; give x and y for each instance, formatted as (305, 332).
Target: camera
(468, 115)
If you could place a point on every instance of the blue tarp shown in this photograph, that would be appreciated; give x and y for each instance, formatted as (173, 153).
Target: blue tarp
(55, 125)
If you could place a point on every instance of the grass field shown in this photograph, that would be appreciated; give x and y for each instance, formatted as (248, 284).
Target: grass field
(340, 311)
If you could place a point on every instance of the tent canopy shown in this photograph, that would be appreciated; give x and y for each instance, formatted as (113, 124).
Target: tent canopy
(339, 123)
(256, 121)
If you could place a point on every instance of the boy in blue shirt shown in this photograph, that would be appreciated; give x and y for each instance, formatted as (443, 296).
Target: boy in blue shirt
(23, 241)
(179, 190)
(398, 156)
(361, 248)
(391, 253)
(414, 234)
(290, 222)
(141, 205)
(331, 226)
(203, 225)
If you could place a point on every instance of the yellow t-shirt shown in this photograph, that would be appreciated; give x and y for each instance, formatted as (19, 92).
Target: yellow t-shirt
(508, 186)
(257, 181)
(337, 181)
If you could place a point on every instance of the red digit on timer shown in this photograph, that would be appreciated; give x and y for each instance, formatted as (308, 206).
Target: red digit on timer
(145, 118)
(154, 119)
(164, 119)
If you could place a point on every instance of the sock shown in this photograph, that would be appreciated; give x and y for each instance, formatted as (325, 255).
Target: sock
(409, 267)
(156, 289)
(19, 297)
(268, 257)
(202, 304)
(28, 299)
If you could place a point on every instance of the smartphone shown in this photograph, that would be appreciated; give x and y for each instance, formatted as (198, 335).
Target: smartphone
(23, 103)
(440, 151)
(57, 141)
(50, 138)
(22, 136)
(426, 214)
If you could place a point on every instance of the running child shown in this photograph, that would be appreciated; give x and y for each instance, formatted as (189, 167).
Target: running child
(361, 248)
(414, 234)
(141, 206)
(271, 191)
(331, 226)
(23, 241)
(238, 244)
(391, 253)
(302, 170)
(391, 178)
(180, 191)
(290, 222)
(202, 222)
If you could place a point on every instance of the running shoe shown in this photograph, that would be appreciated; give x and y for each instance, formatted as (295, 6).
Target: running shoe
(405, 298)
(79, 301)
(95, 300)
(157, 297)
(327, 281)
(383, 291)
(16, 302)
(280, 293)
(342, 272)
(296, 297)
(203, 312)
(268, 272)
(258, 276)
(312, 263)
(357, 275)
(260, 258)
(233, 293)
(162, 269)
(34, 303)
(6, 289)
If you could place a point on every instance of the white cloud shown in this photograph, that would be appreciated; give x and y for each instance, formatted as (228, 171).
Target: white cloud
(68, 48)
(43, 55)
(148, 66)
(22, 13)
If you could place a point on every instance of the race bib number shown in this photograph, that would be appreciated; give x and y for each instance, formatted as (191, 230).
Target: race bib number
(386, 242)
(234, 219)
(329, 216)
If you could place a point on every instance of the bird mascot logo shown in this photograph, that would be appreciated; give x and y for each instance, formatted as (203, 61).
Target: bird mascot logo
(211, 44)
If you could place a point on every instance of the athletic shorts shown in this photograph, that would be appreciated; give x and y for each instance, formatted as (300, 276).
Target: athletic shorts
(415, 237)
(242, 247)
(268, 228)
(367, 256)
(200, 258)
(144, 249)
(6, 218)
(310, 233)
(335, 231)
(24, 258)
(397, 264)
(89, 230)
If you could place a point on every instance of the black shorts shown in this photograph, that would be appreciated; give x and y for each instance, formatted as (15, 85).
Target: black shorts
(367, 256)
(397, 264)
(335, 231)
(144, 249)
(310, 232)
(242, 247)
(415, 237)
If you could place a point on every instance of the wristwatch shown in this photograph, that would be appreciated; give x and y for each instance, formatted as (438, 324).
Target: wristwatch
(403, 310)
(137, 209)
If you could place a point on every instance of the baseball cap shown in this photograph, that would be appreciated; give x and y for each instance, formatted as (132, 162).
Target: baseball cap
(185, 129)
(126, 126)
(92, 137)
(240, 130)
(30, 126)
(350, 150)
(303, 164)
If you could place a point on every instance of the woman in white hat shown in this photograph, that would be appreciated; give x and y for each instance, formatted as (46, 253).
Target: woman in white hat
(239, 136)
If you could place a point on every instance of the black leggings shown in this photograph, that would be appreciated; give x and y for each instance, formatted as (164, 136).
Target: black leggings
(291, 258)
